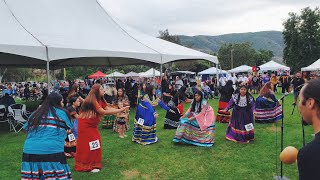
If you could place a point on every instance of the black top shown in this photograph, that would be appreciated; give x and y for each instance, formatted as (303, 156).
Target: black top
(297, 82)
(309, 160)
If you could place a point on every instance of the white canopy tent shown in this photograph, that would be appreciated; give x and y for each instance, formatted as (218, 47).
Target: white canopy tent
(77, 32)
(273, 66)
(243, 68)
(150, 73)
(115, 74)
(132, 74)
(313, 67)
(213, 70)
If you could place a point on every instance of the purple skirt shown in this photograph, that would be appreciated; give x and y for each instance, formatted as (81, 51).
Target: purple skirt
(236, 130)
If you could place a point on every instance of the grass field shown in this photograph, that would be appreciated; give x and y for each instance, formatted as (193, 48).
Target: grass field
(123, 159)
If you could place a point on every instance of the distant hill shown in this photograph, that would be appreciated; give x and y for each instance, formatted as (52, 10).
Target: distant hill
(269, 40)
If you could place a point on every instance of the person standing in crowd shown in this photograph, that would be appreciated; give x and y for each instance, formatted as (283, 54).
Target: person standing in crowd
(71, 140)
(297, 84)
(74, 92)
(43, 152)
(122, 120)
(285, 80)
(266, 78)
(222, 80)
(226, 93)
(274, 82)
(268, 109)
(164, 82)
(168, 94)
(197, 125)
(178, 83)
(171, 120)
(83, 89)
(240, 128)
(120, 98)
(89, 145)
(309, 106)
(255, 83)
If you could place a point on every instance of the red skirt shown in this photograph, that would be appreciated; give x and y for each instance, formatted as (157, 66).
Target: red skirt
(223, 117)
(88, 156)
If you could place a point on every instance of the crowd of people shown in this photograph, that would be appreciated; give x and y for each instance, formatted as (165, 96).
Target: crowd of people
(68, 118)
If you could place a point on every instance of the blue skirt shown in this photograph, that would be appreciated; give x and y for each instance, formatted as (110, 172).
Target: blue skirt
(45, 166)
(144, 134)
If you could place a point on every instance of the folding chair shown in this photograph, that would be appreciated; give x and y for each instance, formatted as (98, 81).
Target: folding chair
(3, 116)
(17, 114)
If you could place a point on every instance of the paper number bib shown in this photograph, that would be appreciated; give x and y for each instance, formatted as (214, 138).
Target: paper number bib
(140, 121)
(94, 145)
(71, 137)
(249, 127)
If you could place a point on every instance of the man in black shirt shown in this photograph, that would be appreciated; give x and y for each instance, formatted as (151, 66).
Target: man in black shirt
(309, 156)
(297, 83)
(285, 80)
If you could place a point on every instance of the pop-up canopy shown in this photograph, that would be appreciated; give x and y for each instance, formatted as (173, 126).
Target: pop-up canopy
(313, 67)
(96, 75)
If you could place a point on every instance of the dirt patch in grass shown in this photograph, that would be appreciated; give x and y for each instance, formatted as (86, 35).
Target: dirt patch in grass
(130, 174)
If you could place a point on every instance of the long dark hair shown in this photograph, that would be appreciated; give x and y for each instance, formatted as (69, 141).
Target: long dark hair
(150, 93)
(48, 106)
(92, 98)
(248, 96)
(312, 90)
(73, 91)
(193, 105)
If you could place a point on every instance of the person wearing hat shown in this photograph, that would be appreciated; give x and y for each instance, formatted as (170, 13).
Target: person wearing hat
(297, 84)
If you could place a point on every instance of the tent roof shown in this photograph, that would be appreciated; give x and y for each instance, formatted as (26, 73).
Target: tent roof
(132, 74)
(272, 66)
(98, 74)
(87, 36)
(242, 68)
(213, 70)
(313, 67)
(183, 72)
(115, 74)
(149, 73)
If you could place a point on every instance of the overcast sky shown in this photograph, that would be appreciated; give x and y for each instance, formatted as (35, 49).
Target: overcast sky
(205, 17)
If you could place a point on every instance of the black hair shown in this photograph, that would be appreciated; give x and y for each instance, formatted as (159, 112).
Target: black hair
(150, 94)
(193, 105)
(49, 104)
(72, 100)
(248, 96)
(312, 90)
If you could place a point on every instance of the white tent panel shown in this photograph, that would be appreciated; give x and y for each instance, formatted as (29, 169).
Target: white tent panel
(243, 68)
(273, 66)
(213, 70)
(313, 67)
(149, 73)
(14, 39)
(78, 28)
(115, 74)
(132, 74)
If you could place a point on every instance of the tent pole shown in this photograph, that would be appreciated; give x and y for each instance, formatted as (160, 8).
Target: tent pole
(217, 66)
(48, 69)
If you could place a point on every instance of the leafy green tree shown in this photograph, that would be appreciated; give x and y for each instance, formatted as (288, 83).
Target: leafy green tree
(165, 35)
(302, 38)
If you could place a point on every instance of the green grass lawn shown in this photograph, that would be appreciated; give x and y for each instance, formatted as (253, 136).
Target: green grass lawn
(123, 159)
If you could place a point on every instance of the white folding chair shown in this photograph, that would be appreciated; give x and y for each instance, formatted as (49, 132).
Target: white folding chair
(17, 115)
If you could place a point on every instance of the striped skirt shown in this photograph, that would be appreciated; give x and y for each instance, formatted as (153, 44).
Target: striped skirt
(190, 133)
(236, 130)
(268, 115)
(143, 134)
(45, 166)
(223, 117)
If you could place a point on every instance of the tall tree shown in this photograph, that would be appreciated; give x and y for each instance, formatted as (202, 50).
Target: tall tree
(302, 38)
(237, 55)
